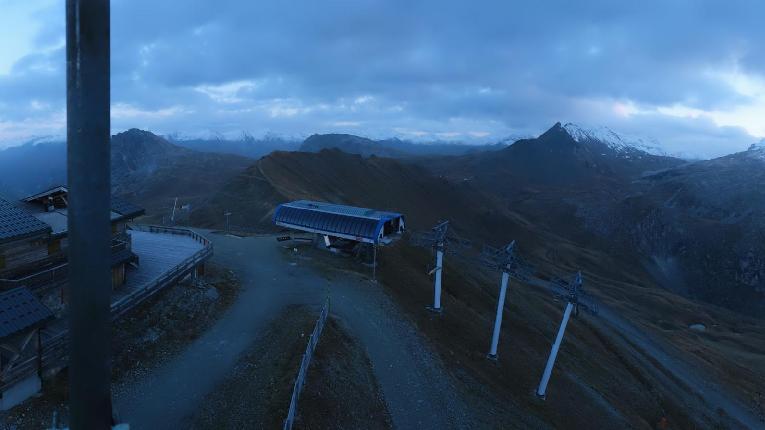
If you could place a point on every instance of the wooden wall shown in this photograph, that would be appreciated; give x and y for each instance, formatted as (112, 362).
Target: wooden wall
(23, 253)
(118, 276)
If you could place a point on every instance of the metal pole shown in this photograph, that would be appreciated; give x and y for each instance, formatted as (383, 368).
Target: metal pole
(498, 320)
(541, 391)
(88, 158)
(374, 263)
(439, 269)
(172, 216)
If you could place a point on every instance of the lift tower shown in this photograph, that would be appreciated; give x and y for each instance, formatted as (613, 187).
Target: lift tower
(441, 240)
(507, 261)
(573, 295)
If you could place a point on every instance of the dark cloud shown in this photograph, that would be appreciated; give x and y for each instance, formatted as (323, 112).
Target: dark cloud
(379, 66)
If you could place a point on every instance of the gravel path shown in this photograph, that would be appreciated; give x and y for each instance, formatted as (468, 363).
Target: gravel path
(416, 387)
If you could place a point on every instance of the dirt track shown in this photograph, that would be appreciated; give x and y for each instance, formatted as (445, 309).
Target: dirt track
(417, 390)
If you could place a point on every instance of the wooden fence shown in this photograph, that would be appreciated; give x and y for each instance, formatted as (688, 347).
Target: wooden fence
(300, 380)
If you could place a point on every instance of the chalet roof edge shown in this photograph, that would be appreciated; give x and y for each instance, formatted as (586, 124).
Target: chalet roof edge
(46, 192)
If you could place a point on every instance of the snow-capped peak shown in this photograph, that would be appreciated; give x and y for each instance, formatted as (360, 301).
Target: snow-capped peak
(619, 142)
(759, 146)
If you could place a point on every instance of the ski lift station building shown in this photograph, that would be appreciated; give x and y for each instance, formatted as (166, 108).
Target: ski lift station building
(334, 221)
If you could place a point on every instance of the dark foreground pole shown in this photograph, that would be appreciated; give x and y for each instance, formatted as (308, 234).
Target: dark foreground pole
(88, 152)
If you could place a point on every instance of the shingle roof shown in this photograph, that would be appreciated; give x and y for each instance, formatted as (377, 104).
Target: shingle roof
(16, 223)
(19, 309)
(356, 223)
(122, 207)
(125, 208)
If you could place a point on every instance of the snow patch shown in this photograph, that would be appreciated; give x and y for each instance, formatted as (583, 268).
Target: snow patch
(757, 150)
(620, 143)
(759, 146)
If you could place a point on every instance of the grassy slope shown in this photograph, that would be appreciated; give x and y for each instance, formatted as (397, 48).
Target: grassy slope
(592, 365)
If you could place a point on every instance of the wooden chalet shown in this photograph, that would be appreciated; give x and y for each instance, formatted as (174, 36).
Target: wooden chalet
(21, 317)
(33, 240)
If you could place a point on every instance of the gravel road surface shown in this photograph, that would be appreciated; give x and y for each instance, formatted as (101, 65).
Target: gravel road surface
(417, 390)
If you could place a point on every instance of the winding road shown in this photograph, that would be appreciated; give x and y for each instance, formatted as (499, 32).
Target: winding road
(412, 378)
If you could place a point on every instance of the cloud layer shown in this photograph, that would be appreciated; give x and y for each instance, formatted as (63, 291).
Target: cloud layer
(691, 74)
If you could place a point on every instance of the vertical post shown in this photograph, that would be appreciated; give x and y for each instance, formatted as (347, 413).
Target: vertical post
(541, 391)
(172, 216)
(437, 286)
(374, 263)
(39, 354)
(498, 319)
(88, 167)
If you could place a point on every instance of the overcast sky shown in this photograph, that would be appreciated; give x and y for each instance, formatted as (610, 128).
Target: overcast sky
(688, 73)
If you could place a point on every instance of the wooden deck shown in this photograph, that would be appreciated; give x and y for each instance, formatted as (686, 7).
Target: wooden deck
(158, 253)
(166, 255)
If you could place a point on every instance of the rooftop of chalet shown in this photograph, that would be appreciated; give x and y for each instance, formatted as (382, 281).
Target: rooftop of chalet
(16, 223)
(19, 310)
(50, 207)
(57, 219)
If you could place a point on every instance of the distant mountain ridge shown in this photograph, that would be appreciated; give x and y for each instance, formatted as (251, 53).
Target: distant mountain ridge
(32, 167)
(246, 146)
(391, 148)
(556, 158)
(146, 168)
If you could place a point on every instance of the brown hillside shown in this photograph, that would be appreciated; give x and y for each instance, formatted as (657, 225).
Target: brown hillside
(615, 380)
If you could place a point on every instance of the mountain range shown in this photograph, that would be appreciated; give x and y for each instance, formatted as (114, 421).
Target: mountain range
(393, 148)
(571, 204)
(693, 226)
(664, 242)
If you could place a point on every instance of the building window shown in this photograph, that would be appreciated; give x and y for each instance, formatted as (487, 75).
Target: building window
(2, 261)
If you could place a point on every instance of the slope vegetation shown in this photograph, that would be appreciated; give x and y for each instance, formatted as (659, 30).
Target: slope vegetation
(696, 227)
(604, 379)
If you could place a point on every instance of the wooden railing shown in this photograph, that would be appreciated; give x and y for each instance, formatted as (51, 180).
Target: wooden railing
(171, 230)
(45, 278)
(173, 275)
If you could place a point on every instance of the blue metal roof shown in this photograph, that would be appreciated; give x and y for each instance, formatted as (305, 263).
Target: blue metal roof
(16, 223)
(351, 222)
(19, 309)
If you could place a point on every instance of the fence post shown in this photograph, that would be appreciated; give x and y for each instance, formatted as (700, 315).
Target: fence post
(304, 363)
